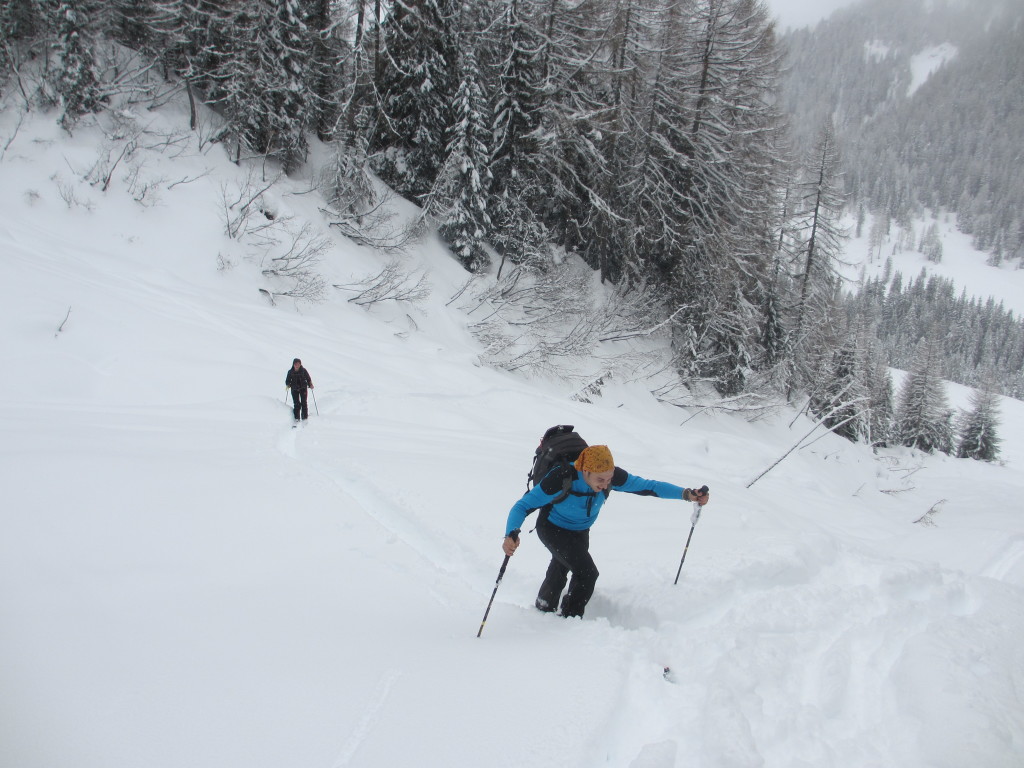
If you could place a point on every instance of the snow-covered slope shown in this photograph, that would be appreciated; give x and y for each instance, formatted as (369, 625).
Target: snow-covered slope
(185, 580)
(962, 264)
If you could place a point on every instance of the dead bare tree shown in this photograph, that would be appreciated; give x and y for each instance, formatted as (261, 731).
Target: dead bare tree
(361, 210)
(66, 190)
(296, 265)
(926, 518)
(392, 283)
(800, 443)
(752, 405)
(539, 320)
(14, 135)
(144, 190)
(127, 74)
(187, 179)
(243, 208)
(103, 170)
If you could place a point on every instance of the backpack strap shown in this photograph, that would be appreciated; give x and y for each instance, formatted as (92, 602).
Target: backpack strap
(570, 476)
(566, 489)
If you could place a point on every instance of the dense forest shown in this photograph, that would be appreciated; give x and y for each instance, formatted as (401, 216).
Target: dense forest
(948, 141)
(981, 344)
(644, 136)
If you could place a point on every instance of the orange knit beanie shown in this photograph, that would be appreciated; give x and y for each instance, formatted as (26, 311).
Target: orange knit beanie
(595, 458)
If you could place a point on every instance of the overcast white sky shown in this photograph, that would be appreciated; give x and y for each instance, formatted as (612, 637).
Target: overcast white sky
(800, 13)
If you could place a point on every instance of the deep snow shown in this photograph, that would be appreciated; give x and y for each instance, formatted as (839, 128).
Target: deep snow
(185, 580)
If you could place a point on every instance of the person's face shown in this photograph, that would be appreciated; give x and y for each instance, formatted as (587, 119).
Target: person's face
(598, 481)
(296, 365)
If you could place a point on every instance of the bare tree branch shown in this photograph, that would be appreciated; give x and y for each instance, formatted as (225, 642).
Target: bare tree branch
(61, 326)
(390, 284)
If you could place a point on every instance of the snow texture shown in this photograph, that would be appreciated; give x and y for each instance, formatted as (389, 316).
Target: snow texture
(924, 64)
(185, 580)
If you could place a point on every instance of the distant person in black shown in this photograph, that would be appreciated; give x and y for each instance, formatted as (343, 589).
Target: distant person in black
(298, 379)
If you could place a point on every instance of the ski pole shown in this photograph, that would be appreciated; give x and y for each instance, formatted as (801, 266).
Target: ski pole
(314, 402)
(693, 525)
(501, 572)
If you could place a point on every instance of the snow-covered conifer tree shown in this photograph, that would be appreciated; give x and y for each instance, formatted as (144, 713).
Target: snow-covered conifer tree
(923, 415)
(21, 21)
(979, 438)
(516, 195)
(878, 384)
(460, 194)
(75, 76)
(283, 48)
(717, 253)
(417, 82)
(258, 73)
(842, 399)
(325, 71)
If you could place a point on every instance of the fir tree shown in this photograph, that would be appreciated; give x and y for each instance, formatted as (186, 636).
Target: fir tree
(460, 195)
(417, 83)
(719, 139)
(257, 72)
(570, 160)
(774, 339)
(325, 69)
(519, 96)
(878, 384)
(76, 79)
(842, 402)
(923, 417)
(979, 430)
(22, 23)
(283, 47)
(518, 104)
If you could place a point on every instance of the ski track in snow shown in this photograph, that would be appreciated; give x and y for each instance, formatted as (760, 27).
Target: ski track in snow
(397, 516)
(1009, 562)
(369, 719)
(400, 520)
(176, 558)
(814, 624)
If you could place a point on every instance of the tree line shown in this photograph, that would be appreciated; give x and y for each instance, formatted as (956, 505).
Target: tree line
(980, 343)
(857, 400)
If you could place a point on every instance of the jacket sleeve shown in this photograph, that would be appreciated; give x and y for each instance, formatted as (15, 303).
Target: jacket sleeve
(531, 500)
(627, 483)
(288, 378)
(309, 380)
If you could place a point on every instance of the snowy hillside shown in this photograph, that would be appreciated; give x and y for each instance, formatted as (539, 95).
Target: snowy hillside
(967, 267)
(924, 99)
(186, 580)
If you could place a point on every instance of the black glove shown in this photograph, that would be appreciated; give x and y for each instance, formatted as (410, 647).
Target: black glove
(699, 495)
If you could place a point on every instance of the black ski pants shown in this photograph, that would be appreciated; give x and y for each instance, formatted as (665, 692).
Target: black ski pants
(300, 402)
(570, 551)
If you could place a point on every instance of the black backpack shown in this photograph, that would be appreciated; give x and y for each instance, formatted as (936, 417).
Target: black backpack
(560, 446)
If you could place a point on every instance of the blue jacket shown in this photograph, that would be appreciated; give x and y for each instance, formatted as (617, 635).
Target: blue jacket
(579, 510)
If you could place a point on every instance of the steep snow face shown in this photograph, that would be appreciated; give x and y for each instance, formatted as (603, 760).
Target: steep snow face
(187, 580)
(924, 64)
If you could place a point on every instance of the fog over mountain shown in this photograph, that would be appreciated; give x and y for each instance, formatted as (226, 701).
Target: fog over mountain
(926, 98)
